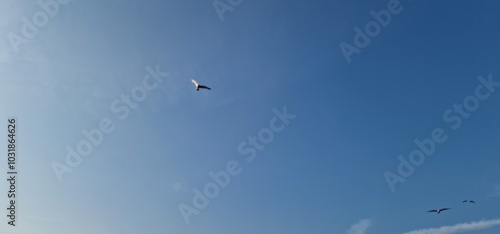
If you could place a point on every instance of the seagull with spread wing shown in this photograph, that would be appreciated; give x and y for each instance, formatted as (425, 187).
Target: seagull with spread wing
(198, 86)
(468, 201)
(439, 210)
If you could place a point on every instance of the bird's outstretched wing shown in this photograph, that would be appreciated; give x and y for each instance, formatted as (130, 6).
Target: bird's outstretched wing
(472, 201)
(194, 82)
(444, 209)
(204, 87)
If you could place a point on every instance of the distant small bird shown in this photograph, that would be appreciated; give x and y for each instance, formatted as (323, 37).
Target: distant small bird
(198, 87)
(439, 211)
(468, 201)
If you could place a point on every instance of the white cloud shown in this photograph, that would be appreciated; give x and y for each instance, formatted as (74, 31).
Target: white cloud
(360, 227)
(459, 228)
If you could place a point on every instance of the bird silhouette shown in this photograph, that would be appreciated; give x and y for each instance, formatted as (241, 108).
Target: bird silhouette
(468, 201)
(198, 86)
(439, 210)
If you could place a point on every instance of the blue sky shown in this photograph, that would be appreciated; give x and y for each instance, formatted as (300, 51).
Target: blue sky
(332, 127)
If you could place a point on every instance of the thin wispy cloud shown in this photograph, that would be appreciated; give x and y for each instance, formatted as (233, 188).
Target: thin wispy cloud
(179, 187)
(459, 228)
(496, 191)
(360, 227)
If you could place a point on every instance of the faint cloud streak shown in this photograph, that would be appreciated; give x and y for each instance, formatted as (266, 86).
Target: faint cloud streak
(459, 228)
(496, 192)
(179, 187)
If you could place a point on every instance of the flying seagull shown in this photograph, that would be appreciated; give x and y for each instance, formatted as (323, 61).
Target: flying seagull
(439, 211)
(198, 87)
(468, 201)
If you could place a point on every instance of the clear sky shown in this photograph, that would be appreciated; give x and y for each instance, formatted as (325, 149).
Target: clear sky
(324, 116)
